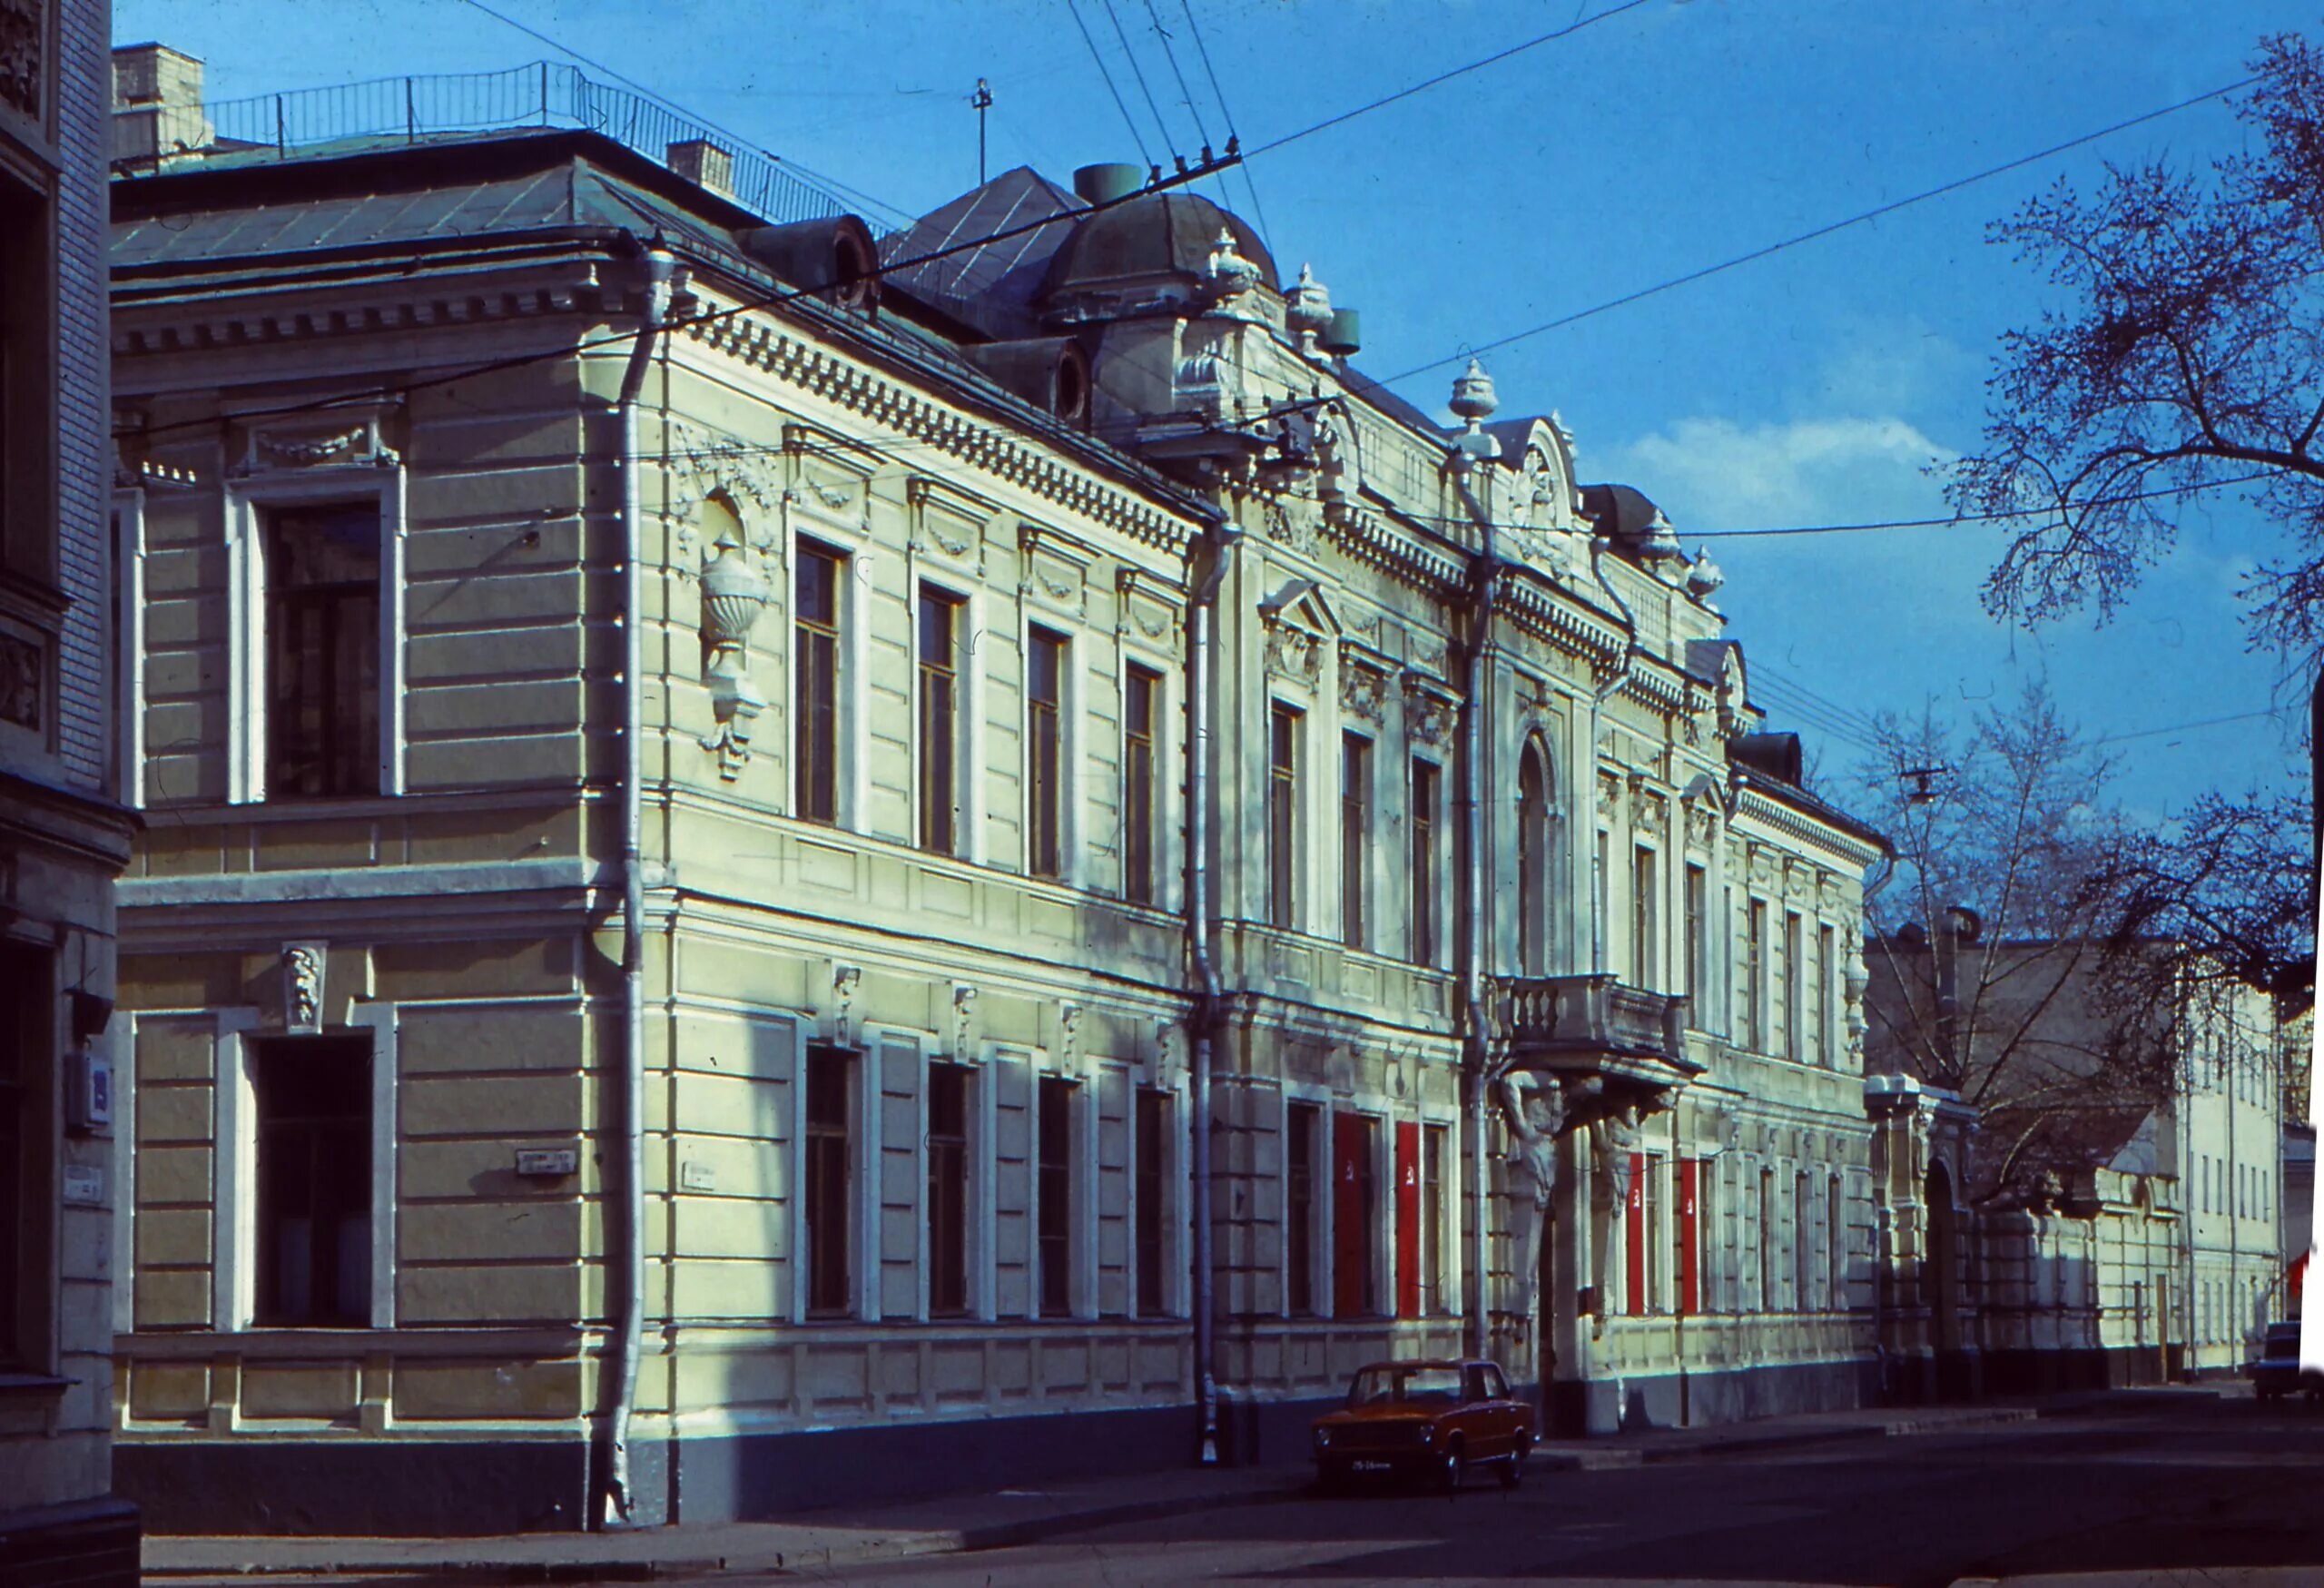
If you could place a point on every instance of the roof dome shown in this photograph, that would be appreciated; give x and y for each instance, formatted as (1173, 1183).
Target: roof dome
(1167, 233)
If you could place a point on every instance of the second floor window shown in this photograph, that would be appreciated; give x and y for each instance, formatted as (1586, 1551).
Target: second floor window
(939, 720)
(1697, 897)
(1045, 749)
(1356, 839)
(1794, 1029)
(1282, 815)
(1827, 1031)
(323, 650)
(815, 748)
(1755, 968)
(1141, 770)
(1423, 828)
(1646, 921)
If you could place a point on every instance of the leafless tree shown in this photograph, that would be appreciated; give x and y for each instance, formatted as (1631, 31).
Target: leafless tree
(1995, 937)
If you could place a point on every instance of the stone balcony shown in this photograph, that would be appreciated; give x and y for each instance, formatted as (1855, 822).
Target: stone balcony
(1610, 1045)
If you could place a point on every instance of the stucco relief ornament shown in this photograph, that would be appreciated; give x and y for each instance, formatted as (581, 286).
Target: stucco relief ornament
(22, 26)
(963, 1001)
(733, 593)
(1429, 713)
(1534, 1111)
(1612, 1138)
(302, 987)
(1364, 693)
(845, 980)
(1293, 653)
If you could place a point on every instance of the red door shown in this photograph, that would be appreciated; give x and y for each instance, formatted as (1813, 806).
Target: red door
(1408, 1219)
(1634, 1236)
(1690, 1171)
(1351, 1216)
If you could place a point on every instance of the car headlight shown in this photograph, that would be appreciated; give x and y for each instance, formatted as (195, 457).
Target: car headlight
(1323, 1437)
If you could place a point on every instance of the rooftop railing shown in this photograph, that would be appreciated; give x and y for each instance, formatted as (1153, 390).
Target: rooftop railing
(542, 94)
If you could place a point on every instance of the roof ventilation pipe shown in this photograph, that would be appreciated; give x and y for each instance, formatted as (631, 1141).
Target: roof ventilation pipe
(832, 257)
(1344, 338)
(1051, 372)
(1107, 184)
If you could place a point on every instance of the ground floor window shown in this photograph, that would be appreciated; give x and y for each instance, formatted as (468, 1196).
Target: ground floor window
(1301, 1123)
(313, 1097)
(1152, 1147)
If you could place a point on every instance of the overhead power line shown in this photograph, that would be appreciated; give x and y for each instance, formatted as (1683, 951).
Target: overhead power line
(1137, 71)
(1426, 84)
(1234, 138)
(1120, 103)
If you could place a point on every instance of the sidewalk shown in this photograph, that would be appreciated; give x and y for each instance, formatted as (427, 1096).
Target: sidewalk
(858, 1536)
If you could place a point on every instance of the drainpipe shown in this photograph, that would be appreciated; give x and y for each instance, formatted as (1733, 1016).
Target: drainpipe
(1203, 1020)
(1475, 749)
(629, 1212)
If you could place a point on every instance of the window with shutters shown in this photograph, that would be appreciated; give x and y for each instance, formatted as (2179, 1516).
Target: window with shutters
(1053, 1129)
(828, 1177)
(1153, 1192)
(821, 582)
(948, 1191)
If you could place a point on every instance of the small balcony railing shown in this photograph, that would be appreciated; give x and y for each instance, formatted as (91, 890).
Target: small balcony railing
(1595, 1024)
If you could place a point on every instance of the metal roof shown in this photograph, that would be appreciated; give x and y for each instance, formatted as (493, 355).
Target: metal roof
(992, 286)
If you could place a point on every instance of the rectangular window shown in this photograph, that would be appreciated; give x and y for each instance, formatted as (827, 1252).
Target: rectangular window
(1423, 828)
(1431, 1220)
(1803, 1221)
(314, 1182)
(1755, 970)
(1282, 815)
(1153, 1192)
(1827, 1001)
(1697, 894)
(27, 1209)
(828, 1174)
(1045, 745)
(323, 650)
(1055, 1130)
(948, 1191)
(940, 721)
(1355, 1211)
(1601, 884)
(1766, 1240)
(1356, 839)
(1836, 1241)
(1795, 1033)
(1141, 772)
(29, 542)
(1300, 1126)
(1646, 926)
(815, 619)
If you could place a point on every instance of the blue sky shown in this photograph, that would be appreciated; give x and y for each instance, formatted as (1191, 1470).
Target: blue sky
(1820, 385)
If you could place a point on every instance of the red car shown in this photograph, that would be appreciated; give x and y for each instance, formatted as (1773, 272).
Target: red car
(1432, 1419)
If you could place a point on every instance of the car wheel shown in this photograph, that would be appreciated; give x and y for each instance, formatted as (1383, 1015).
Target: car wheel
(1451, 1469)
(1512, 1465)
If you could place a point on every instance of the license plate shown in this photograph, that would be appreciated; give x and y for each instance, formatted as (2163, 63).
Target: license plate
(1371, 1465)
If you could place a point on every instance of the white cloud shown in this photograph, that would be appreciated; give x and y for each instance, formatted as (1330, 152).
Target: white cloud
(1712, 473)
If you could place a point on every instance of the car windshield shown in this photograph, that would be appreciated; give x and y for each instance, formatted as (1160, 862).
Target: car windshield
(1414, 1385)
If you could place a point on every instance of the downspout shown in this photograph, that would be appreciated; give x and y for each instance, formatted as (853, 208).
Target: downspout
(1203, 1020)
(629, 1212)
(1475, 1036)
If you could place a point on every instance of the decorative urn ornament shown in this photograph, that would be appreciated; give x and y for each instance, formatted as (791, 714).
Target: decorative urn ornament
(1308, 312)
(733, 594)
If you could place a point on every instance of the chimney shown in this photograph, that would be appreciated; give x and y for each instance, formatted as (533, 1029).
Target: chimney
(704, 163)
(157, 104)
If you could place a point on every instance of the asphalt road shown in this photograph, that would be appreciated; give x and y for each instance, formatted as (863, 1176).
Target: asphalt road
(2191, 1482)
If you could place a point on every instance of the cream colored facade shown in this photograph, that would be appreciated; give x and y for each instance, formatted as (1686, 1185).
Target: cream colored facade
(919, 1106)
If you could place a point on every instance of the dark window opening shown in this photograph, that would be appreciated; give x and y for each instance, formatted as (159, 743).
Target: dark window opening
(1055, 1190)
(1153, 1192)
(1283, 816)
(940, 721)
(1045, 733)
(1299, 1208)
(1140, 771)
(27, 1016)
(948, 1191)
(816, 620)
(314, 1182)
(322, 651)
(1356, 839)
(1424, 827)
(829, 1173)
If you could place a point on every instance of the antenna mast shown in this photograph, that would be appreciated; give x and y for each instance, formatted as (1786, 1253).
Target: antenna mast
(982, 100)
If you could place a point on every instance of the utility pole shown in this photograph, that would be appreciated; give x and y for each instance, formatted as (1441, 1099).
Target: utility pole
(982, 100)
